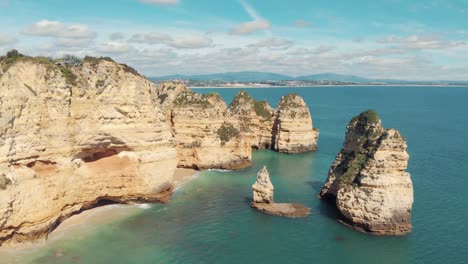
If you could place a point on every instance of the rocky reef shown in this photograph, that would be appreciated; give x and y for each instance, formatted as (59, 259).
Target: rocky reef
(368, 178)
(210, 134)
(263, 199)
(72, 137)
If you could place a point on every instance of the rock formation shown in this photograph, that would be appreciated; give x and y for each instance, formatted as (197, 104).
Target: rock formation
(74, 133)
(205, 139)
(209, 135)
(71, 137)
(373, 191)
(293, 130)
(263, 188)
(263, 199)
(254, 119)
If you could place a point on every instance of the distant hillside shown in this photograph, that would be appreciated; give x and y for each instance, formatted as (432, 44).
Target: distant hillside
(333, 77)
(252, 76)
(230, 77)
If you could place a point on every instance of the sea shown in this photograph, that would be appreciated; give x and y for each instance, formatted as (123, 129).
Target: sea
(209, 219)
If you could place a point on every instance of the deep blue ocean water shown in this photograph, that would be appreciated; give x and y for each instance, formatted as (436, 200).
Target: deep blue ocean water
(209, 220)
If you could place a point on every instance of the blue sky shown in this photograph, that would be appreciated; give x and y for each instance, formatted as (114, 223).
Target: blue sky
(414, 40)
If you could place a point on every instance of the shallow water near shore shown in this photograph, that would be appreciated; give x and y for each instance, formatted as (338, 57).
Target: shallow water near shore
(209, 220)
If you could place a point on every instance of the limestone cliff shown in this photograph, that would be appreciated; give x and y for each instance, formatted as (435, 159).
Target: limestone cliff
(205, 139)
(209, 135)
(293, 129)
(373, 191)
(72, 136)
(254, 119)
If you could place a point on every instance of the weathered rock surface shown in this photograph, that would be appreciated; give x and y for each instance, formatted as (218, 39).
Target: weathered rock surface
(373, 191)
(263, 199)
(72, 137)
(205, 139)
(210, 135)
(263, 188)
(293, 130)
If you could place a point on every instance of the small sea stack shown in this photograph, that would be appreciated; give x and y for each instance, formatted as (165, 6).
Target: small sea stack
(263, 199)
(368, 178)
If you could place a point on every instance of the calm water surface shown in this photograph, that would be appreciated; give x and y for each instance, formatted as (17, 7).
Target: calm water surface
(210, 221)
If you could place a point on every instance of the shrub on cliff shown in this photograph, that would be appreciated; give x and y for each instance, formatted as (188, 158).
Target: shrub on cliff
(226, 132)
(70, 60)
(4, 182)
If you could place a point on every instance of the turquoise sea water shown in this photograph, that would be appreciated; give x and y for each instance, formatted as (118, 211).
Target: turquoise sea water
(209, 220)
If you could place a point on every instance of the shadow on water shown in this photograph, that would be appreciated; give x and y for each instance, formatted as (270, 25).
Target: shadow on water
(316, 185)
(327, 207)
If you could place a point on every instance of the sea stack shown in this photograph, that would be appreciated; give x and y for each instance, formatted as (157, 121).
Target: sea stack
(263, 199)
(368, 178)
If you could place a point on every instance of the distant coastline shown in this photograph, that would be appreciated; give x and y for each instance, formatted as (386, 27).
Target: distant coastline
(332, 85)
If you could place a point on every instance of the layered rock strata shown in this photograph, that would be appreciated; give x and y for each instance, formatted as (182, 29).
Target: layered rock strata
(293, 131)
(210, 135)
(71, 137)
(263, 199)
(368, 178)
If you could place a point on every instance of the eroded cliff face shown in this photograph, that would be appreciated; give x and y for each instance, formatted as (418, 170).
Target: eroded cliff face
(205, 138)
(209, 135)
(368, 178)
(254, 119)
(73, 136)
(293, 130)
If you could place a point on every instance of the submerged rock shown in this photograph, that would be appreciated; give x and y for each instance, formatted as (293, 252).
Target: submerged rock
(373, 191)
(263, 199)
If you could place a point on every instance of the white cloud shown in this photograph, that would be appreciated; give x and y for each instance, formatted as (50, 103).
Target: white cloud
(248, 28)
(150, 38)
(257, 24)
(114, 48)
(273, 43)
(191, 42)
(47, 28)
(421, 42)
(161, 2)
(116, 36)
(6, 40)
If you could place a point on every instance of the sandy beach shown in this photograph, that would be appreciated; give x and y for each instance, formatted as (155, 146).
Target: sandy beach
(81, 224)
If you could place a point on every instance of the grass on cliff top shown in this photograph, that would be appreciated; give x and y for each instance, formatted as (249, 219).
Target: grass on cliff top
(13, 56)
(368, 116)
(189, 98)
(260, 107)
(288, 101)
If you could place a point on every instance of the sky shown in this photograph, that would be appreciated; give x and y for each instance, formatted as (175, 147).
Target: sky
(398, 39)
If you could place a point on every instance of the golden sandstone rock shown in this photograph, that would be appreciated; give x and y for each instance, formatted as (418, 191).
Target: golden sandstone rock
(73, 136)
(368, 178)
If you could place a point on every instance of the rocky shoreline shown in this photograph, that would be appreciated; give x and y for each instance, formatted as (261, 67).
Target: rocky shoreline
(74, 136)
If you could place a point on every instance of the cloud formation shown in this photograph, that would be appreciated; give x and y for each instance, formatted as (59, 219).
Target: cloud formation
(47, 28)
(273, 43)
(257, 24)
(192, 41)
(421, 42)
